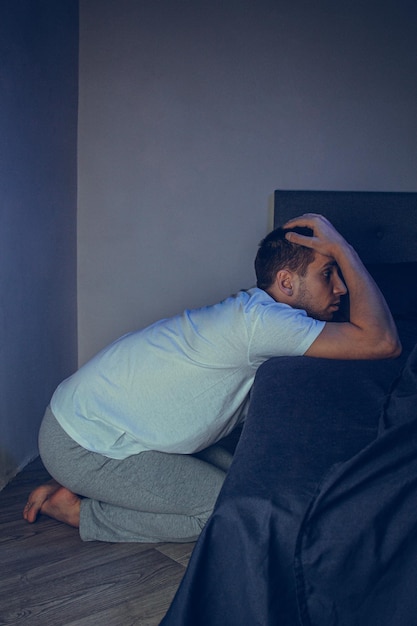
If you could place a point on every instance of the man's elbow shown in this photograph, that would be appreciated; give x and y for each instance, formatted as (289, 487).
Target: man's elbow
(390, 348)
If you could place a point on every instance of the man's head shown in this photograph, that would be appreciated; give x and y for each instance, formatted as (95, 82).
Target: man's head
(298, 276)
(277, 253)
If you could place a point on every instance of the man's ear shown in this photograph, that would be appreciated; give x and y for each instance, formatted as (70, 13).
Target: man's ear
(285, 282)
(284, 287)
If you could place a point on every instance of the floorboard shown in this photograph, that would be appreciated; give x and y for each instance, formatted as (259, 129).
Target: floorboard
(48, 576)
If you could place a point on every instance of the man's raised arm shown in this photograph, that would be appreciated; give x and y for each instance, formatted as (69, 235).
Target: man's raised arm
(370, 332)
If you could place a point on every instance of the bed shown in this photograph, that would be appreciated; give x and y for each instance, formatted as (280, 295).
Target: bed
(316, 522)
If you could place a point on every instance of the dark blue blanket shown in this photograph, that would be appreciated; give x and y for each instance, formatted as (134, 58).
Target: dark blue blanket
(316, 520)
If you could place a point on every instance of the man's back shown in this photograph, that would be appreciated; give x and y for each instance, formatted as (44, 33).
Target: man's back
(182, 383)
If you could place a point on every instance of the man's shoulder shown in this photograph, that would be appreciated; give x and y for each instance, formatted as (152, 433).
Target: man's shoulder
(259, 301)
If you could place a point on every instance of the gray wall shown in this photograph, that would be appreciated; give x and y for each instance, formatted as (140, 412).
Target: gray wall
(38, 129)
(193, 112)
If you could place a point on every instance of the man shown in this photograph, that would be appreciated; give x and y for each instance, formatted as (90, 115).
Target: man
(125, 437)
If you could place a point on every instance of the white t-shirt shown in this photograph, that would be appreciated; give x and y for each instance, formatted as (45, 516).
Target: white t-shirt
(182, 383)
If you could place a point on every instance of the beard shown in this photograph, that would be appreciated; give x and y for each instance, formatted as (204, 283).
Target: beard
(308, 303)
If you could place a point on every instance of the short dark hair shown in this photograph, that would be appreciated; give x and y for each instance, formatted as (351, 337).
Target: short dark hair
(276, 253)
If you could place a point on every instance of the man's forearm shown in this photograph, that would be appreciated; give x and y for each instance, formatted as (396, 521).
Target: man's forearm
(368, 308)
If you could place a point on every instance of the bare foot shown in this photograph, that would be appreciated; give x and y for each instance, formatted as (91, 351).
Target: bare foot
(36, 499)
(55, 501)
(64, 506)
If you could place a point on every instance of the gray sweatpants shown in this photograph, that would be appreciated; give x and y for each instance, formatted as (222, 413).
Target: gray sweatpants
(147, 497)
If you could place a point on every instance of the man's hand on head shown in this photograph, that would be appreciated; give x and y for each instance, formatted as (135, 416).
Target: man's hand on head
(325, 239)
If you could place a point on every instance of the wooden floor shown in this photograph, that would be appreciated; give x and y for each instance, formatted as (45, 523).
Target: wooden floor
(49, 577)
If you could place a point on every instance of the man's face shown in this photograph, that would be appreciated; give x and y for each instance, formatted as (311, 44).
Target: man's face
(320, 289)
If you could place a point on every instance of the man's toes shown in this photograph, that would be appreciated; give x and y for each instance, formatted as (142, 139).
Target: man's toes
(30, 512)
(37, 498)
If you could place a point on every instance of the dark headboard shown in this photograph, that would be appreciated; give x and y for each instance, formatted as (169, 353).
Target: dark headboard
(381, 226)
